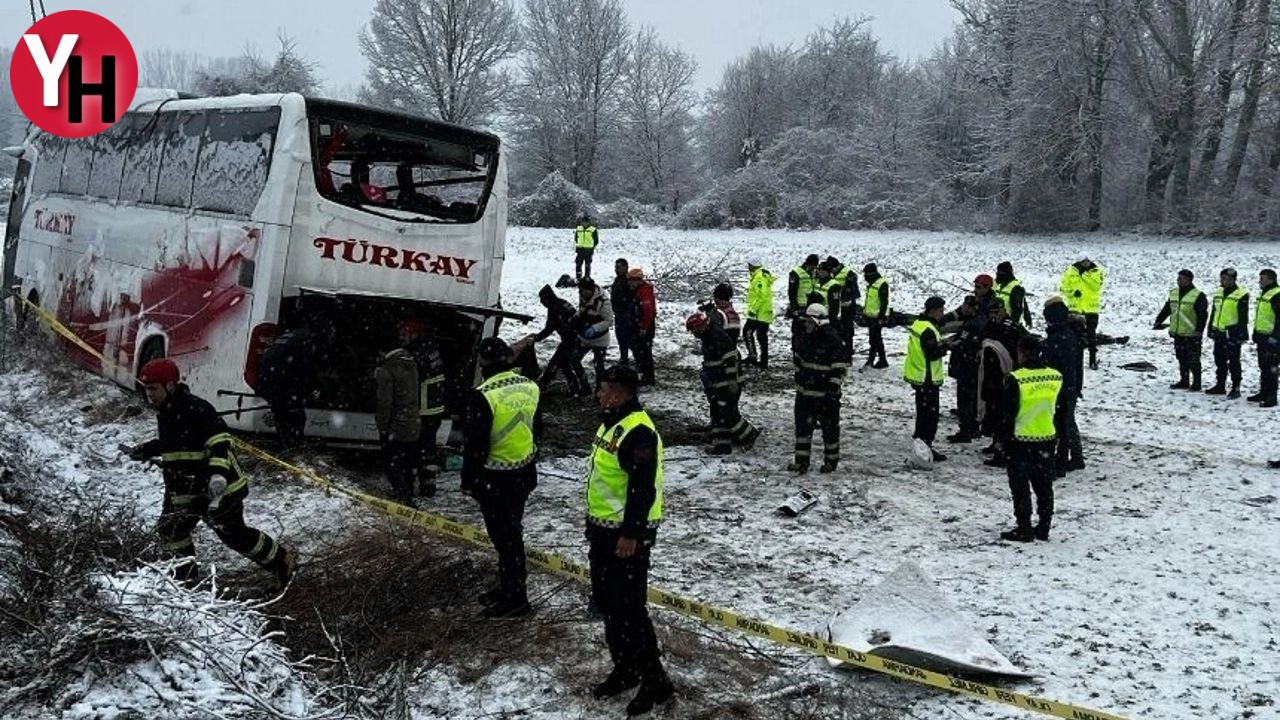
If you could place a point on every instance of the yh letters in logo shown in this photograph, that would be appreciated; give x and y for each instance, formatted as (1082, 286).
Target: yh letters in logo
(73, 73)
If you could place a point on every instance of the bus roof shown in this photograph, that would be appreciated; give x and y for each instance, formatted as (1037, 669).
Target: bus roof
(388, 120)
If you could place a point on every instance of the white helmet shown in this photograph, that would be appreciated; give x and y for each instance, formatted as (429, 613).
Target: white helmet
(817, 311)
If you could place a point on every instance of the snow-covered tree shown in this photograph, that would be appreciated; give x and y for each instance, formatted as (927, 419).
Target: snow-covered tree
(441, 58)
(288, 71)
(656, 116)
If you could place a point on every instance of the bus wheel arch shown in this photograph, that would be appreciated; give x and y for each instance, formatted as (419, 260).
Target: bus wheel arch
(151, 349)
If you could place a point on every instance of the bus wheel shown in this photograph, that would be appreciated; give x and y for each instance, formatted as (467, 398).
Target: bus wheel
(152, 349)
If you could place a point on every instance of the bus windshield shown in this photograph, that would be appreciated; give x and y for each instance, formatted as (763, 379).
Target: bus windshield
(401, 168)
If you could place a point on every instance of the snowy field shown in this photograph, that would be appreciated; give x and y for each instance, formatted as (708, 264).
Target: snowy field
(1155, 598)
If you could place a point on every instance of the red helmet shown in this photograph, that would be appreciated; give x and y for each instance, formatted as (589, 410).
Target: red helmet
(983, 280)
(161, 370)
(696, 322)
(410, 326)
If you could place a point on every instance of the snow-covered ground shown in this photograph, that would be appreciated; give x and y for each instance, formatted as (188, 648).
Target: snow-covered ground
(1155, 598)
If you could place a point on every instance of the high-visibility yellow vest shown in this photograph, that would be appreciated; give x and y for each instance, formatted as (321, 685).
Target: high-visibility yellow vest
(585, 237)
(1182, 312)
(1090, 286)
(842, 279)
(607, 481)
(760, 296)
(871, 308)
(1264, 322)
(917, 366)
(827, 288)
(513, 399)
(804, 287)
(431, 396)
(1004, 293)
(1037, 401)
(1226, 308)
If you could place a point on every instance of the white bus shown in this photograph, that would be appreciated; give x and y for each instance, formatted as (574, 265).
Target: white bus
(200, 228)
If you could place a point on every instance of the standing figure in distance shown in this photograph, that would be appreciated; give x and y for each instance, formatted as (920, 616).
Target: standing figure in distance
(585, 240)
(1266, 335)
(923, 370)
(875, 312)
(399, 421)
(1081, 288)
(1229, 328)
(1187, 311)
(1029, 437)
(759, 313)
(822, 362)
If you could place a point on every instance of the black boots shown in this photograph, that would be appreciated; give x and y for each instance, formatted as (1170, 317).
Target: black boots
(1182, 384)
(1220, 388)
(1018, 534)
(1235, 393)
(652, 692)
(618, 682)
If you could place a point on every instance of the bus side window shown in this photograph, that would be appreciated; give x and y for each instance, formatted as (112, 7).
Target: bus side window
(234, 160)
(142, 161)
(178, 160)
(48, 168)
(108, 159)
(76, 166)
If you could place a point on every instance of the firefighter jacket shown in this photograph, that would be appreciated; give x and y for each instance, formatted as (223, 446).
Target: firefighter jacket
(194, 447)
(822, 362)
(721, 364)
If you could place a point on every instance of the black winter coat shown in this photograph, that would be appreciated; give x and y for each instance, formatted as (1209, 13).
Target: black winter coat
(1061, 349)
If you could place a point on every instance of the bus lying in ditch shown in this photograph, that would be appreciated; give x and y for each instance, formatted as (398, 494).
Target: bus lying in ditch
(201, 228)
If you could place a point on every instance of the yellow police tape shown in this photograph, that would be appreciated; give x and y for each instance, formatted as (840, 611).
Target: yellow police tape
(807, 642)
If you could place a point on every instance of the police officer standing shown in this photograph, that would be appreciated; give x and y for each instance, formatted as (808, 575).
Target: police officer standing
(801, 283)
(844, 320)
(499, 469)
(923, 369)
(1081, 289)
(1187, 311)
(624, 509)
(1266, 335)
(722, 381)
(202, 480)
(876, 313)
(759, 314)
(585, 240)
(1031, 395)
(1010, 293)
(821, 365)
(1229, 327)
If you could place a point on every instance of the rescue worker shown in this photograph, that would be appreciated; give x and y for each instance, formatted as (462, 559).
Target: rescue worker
(999, 356)
(1061, 351)
(846, 319)
(875, 312)
(431, 376)
(982, 292)
(287, 377)
(1081, 288)
(624, 510)
(827, 291)
(800, 282)
(966, 348)
(585, 240)
(647, 324)
(626, 316)
(562, 320)
(1229, 328)
(1187, 311)
(399, 421)
(923, 370)
(821, 365)
(1032, 393)
(595, 317)
(1266, 336)
(1010, 293)
(721, 311)
(759, 313)
(722, 380)
(499, 468)
(202, 480)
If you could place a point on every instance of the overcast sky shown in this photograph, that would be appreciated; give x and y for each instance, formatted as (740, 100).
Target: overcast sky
(714, 31)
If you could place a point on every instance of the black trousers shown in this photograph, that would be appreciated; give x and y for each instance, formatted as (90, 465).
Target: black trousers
(823, 411)
(567, 359)
(402, 460)
(183, 510)
(582, 257)
(429, 456)
(1269, 370)
(628, 338)
(875, 351)
(598, 355)
(289, 414)
(927, 404)
(1188, 351)
(967, 400)
(644, 357)
(1030, 467)
(728, 427)
(1091, 336)
(756, 334)
(618, 588)
(502, 501)
(1226, 359)
(1070, 448)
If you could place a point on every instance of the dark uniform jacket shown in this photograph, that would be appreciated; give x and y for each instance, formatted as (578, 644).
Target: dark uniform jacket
(626, 309)
(1061, 349)
(968, 348)
(638, 456)
(288, 365)
(822, 361)
(397, 402)
(426, 355)
(721, 364)
(193, 445)
(562, 320)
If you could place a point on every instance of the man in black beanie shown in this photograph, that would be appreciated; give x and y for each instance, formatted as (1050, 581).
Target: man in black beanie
(1010, 293)
(1187, 311)
(876, 312)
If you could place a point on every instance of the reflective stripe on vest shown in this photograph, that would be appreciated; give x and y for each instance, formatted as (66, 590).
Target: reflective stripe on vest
(583, 236)
(1037, 402)
(804, 287)
(871, 308)
(1182, 312)
(914, 370)
(842, 279)
(429, 396)
(513, 399)
(760, 296)
(1004, 293)
(607, 481)
(1264, 322)
(1226, 309)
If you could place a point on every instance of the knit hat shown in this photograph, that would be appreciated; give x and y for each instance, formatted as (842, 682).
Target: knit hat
(984, 280)
(870, 268)
(754, 261)
(635, 274)
(934, 303)
(1005, 267)
(162, 371)
(1187, 274)
(723, 291)
(811, 260)
(493, 351)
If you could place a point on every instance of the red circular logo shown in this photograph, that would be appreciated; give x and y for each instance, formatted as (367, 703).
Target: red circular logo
(73, 73)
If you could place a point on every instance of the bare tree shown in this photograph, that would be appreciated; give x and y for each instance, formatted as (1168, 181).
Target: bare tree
(1224, 83)
(442, 58)
(754, 94)
(165, 68)
(575, 58)
(1252, 94)
(657, 101)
